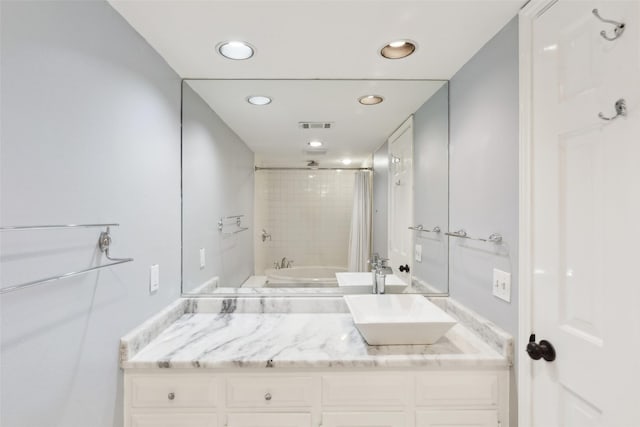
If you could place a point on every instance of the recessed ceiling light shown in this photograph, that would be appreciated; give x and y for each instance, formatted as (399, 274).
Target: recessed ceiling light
(346, 162)
(370, 99)
(259, 100)
(236, 49)
(398, 49)
(315, 144)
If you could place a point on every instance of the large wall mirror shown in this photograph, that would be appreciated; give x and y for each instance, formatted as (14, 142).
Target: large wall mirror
(289, 184)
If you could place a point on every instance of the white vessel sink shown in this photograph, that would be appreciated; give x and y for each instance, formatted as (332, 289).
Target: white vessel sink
(356, 282)
(398, 319)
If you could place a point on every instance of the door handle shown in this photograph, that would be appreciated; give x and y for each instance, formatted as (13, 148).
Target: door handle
(543, 350)
(404, 268)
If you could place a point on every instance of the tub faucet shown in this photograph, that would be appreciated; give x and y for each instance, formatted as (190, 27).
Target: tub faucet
(283, 263)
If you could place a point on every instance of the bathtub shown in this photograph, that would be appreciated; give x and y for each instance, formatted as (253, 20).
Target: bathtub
(303, 277)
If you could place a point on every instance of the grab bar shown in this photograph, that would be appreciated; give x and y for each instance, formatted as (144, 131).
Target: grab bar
(104, 241)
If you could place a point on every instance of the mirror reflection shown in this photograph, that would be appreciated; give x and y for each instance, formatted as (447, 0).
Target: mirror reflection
(295, 186)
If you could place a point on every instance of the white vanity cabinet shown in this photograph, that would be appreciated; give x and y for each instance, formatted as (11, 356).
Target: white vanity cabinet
(316, 397)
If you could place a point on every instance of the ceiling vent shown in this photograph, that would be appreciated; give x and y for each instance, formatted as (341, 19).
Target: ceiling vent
(315, 125)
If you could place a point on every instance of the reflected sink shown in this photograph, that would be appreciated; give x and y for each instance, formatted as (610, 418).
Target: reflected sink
(398, 319)
(351, 282)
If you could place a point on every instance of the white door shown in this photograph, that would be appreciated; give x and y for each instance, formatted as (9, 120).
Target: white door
(585, 216)
(401, 200)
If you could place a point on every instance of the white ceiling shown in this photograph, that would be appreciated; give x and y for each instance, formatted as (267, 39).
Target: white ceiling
(272, 130)
(310, 39)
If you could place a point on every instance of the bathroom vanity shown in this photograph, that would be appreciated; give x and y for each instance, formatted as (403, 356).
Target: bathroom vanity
(280, 362)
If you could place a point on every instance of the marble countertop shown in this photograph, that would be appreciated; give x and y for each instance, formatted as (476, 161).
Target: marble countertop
(270, 339)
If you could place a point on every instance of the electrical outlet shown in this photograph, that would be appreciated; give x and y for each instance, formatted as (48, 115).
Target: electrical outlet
(501, 285)
(154, 278)
(203, 262)
(418, 253)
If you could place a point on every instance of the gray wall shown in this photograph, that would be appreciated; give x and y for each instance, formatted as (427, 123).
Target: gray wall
(484, 177)
(431, 188)
(217, 181)
(379, 224)
(90, 133)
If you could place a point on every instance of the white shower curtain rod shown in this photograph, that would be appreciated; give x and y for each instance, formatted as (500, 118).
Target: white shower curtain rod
(258, 168)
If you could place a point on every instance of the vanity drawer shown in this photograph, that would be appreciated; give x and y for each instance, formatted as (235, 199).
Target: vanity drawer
(272, 419)
(365, 390)
(273, 392)
(467, 389)
(174, 420)
(174, 391)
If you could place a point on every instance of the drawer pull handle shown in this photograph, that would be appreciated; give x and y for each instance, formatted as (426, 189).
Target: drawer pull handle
(171, 396)
(267, 396)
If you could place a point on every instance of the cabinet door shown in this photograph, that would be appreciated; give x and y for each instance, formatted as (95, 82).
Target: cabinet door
(174, 420)
(364, 419)
(272, 419)
(457, 418)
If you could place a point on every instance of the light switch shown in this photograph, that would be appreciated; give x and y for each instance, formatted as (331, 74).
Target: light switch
(203, 262)
(501, 285)
(154, 278)
(418, 253)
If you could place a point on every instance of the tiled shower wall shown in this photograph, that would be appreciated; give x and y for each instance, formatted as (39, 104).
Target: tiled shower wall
(307, 213)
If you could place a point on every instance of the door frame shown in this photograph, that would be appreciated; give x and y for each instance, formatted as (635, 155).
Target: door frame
(526, 17)
(397, 133)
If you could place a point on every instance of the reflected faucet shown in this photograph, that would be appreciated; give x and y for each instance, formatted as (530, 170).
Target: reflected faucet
(379, 272)
(285, 263)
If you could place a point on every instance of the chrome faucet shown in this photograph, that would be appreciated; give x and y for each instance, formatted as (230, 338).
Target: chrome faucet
(285, 263)
(381, 276)
(379, 271)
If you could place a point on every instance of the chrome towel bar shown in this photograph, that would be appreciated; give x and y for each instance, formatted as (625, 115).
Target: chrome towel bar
(104, 241)
(493, 238)
(419, 227)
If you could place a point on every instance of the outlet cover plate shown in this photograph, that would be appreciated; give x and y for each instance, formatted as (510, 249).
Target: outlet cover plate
(203, 261)
(501, 285)
(154, 278)
(418, 253)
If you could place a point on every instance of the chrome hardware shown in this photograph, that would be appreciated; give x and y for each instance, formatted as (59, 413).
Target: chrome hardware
(621, 110)
(171, 396)
(460, 233)
(238, 224)
(265, 235)
(267, 396)
(398, 182)
(617, 31)
(421, 228)
(493, 237)
(379, 271)
(104, 241)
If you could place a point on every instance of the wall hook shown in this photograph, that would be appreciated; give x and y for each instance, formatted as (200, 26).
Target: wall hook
(621, 110)
(616, 31)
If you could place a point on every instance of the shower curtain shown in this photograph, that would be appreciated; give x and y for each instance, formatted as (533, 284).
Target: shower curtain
(360, 234)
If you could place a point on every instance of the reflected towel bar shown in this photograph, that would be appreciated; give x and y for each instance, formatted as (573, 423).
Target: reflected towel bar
(237, 222)
(104, 241)
(493, 238)
(241, 229)
(419, 227)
